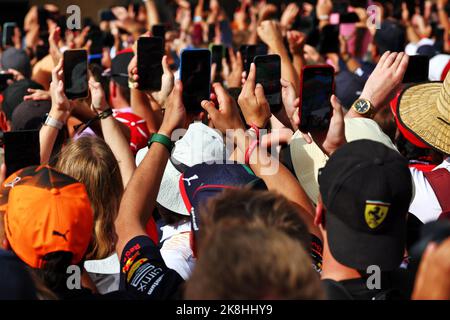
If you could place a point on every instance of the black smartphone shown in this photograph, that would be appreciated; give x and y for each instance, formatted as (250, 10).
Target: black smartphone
(217, 53)
(317, 86)
(418, 69)
(248, 53)
(150, 52)
(329, 39)
(159, 31)
(96, 49)
(4, 77)
(22, 150)
(8, 34)
(195, 74)
(107, 15)
(268, 74)
(76, 74)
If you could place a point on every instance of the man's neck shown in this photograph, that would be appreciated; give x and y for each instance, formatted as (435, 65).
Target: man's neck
(332, 269)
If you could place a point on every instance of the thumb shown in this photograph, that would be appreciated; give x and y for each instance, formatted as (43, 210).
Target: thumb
(209, 107)
(337, 107)
(2, 173)
(165, 65)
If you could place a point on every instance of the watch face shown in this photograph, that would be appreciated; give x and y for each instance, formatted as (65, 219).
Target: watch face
(362, 106)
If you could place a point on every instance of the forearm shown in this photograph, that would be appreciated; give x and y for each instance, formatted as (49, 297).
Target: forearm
(141, 106)
(120, 148)
(139, 199)
(152, 14)
(48, 136)
(288, 71)
(299, 63)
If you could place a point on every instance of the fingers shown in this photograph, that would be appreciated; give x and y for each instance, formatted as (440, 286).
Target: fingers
(165, 65)
(2, 173)
(239, 63)
(390, 60)
(383, 59)
(250, 83)
(260, 96)
(232, 56)
(57, 71)
(401, 70)
(209, 107)
(221, 94)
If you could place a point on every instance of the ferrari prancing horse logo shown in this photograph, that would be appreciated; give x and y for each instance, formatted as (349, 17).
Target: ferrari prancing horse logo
(375, 213)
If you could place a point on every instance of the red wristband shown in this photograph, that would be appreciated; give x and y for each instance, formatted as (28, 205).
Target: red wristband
(250, 150)
(257, 129)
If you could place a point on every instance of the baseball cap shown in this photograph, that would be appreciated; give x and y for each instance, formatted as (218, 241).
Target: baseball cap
(349, 87)
(45, 211)
(119, 67)
(202, 182)
(199, 144)
(390, 37)
(138, 129)
(439, 66)
(15, 280)
(367, 197)
(18, 60)
(14, 94)
(30, 115)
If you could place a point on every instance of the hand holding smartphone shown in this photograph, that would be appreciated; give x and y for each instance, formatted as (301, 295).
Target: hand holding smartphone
(150, 52)
(195, 75)
(317, 87)
(268, 74)
(76, 74)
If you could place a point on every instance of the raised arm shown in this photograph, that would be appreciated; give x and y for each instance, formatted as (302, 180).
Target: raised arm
(140, 195)
(270, 33)
(112, 133)
(59, 113)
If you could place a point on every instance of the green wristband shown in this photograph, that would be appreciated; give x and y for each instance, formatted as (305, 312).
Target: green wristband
(162, 139)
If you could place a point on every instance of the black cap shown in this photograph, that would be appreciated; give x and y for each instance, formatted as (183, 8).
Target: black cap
(349, 87)
(14, 94)
(18, 60)
(119, 68)
(390, 37)
(30, 115)
(366, 188)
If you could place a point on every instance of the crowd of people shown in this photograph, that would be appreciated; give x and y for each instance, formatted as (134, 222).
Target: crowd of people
(356, 211)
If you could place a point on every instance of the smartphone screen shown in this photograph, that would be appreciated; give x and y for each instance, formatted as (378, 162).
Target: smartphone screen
(316, 90)
(8, 33)
(196, 77)
(268, 74)
(418, 69)
(21, 150)
(248, 53)
(150, 52)
(218, 53)
(329, 39)
(75, 74)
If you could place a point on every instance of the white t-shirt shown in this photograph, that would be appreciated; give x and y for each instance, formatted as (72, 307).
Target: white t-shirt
(176, 250)
(104, 273)
(425, 205)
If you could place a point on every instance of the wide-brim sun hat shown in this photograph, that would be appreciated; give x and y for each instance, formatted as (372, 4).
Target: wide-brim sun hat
(424, 110)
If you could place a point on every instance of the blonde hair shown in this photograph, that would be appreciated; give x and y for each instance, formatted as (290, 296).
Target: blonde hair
(91, 161)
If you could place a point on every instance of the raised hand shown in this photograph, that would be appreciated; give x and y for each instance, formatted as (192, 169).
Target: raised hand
(385, 80)
(253, 102)
(227, 116)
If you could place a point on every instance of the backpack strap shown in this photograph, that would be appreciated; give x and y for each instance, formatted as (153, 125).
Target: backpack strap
(440, 182)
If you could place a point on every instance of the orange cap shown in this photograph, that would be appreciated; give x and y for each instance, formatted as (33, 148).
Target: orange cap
(46, 211)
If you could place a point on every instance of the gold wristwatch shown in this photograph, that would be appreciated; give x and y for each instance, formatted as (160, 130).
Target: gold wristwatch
(364, 107)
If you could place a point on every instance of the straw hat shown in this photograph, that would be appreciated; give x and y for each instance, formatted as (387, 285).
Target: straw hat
(424, 109)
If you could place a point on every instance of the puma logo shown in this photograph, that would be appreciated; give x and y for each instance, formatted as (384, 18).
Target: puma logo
(188, 180)
(13, 183)
(59, 234)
